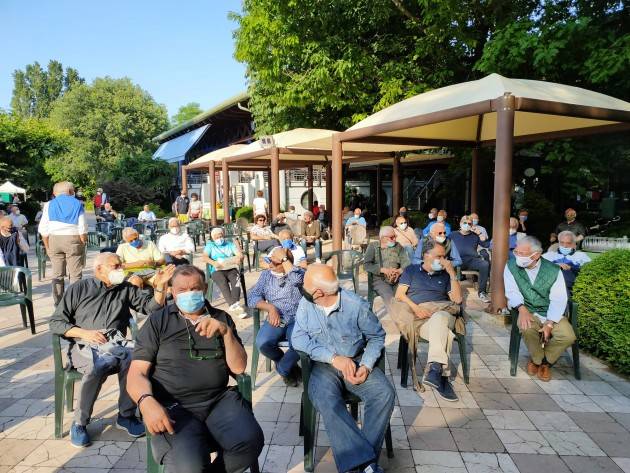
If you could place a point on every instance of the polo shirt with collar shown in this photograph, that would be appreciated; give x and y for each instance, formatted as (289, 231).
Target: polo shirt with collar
(424, 286)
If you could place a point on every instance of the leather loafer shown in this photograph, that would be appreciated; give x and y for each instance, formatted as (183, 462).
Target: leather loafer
(532, 368)
(544, 372)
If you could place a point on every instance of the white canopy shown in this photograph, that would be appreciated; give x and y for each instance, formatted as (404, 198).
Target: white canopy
(10, 188)
(216, 155)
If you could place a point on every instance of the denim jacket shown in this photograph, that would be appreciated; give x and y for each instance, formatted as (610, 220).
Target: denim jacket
(350, 330)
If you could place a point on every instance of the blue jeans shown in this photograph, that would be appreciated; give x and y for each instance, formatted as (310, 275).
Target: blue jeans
(410, 251)
(352, 446)
(267, 342)
(317, 244)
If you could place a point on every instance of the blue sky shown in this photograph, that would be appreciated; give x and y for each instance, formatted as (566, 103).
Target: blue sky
(179, 51)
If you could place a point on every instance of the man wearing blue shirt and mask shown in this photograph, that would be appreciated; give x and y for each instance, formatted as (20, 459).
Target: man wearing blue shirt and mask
(339, 332)
(568, 258)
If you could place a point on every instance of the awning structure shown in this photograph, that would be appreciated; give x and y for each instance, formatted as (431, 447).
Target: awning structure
(215, 156)
(494, 111)
(175, 150)
(10, 188)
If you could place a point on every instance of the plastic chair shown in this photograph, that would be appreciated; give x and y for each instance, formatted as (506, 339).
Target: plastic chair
(308, 414)
(93, 241)
(515, 339)
(16, 287)
(210, 282)
(245, 388)
(255, 313)
(347, 267)
(42, 257)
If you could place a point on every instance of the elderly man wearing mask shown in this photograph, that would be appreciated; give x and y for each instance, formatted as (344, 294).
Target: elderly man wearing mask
(568, 258)
(440, 218)
(286, 241)
(467, 242)
(405, 235)
(572, 225)
(139, 258)
(310, 232)
(344, 359)
(176, 245)
(277, 292)
(536, 288)
(438, 234)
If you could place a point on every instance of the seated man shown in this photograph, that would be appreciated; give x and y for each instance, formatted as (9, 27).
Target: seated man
(277, 292)
(344, 358)
(568, 258)
(536, 288)
(12, 245)
(440, 218)
(263, 236)
(356, 228)
(94, 313)
(356, 219)
(467, 241)
(279, 223)
(310, 233)
(514, 236)
(108, 217)
(322, 217)
(475, 226)
(147, 215)
(438, 234)
(176, 245)
(427, 300)
(385, 260)
(139, 258)
(286, 241)
(184, 356)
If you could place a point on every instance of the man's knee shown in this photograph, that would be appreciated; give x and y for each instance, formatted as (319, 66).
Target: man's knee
(566, 337)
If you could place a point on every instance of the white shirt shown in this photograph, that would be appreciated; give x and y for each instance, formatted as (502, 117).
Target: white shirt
(169, 242)
(298, 255)
(578, 258)
(259, 205)
(2, 262)
(557, 295)
(48, 227)
(146, 215)
(18, 220)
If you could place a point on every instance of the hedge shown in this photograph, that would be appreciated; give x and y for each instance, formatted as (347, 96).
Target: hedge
(602, 290)
(418, 219)
(245, 212)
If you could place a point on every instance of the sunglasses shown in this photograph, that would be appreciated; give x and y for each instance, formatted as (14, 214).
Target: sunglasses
(193, 353)
(441, 233)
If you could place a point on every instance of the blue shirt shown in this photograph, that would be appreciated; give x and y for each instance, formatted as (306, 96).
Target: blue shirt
(467, 244)
(359, 220)
(283, 293)
(351, 329)
(219, 252)
(424, 286)
(427, 229)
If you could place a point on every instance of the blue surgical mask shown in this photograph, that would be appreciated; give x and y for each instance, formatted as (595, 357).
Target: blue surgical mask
(287, 244)
(190, 301)
(565, 251)
(475, 221)
(436, 265)
(465, 227)
(219, 241)
(523, 218)
(391, 244)
(136, 243)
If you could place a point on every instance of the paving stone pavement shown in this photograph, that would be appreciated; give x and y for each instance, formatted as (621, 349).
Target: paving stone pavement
(500, 424)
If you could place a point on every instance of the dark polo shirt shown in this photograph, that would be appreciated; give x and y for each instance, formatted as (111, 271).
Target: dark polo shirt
(425, 287)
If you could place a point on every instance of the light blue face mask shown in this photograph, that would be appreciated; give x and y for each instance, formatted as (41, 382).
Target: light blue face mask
(465, 227)
(190, 302)
(287, 244)
(391, 244)
(436, 265)
(475, 221)
(219, 241)
(565, 251)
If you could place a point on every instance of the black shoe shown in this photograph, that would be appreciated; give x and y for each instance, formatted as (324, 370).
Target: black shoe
(446, 391)
(434, 377)
(290, 381)
(296, 373)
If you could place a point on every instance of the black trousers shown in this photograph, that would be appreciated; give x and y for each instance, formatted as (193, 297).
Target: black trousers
(230, 429)
(481, 265)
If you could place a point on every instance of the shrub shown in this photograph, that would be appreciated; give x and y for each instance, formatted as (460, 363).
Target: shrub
(602, 290)
(134, 210)
(245, 212)
(418, 219)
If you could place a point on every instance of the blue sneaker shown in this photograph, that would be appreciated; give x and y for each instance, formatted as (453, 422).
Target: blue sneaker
(434, 377)
(132, 425)
(79, 436)
(446, 391)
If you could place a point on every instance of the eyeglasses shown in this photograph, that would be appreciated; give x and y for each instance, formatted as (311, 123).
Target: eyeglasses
(441, 233)
(196, 357)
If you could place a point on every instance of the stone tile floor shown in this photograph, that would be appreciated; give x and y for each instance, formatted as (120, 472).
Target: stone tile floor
(500, 424)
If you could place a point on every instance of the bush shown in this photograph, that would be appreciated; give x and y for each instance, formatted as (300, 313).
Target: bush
(134, 210)
(245, 212)
(602, 290)
(418, 219)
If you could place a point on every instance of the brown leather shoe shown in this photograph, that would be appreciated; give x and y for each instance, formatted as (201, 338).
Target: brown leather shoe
(544, 372)
(532, 368)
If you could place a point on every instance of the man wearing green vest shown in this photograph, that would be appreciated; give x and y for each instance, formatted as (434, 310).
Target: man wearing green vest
(537, 289)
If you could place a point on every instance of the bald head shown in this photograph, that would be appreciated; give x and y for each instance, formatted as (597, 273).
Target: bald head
(321, 279)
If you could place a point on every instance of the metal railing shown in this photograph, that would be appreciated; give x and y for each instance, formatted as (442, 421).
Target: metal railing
(598, 244)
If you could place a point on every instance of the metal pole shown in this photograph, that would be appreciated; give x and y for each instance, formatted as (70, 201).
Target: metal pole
(395, 185)
(337, 193)
(309, 185)
(184, 178)
(274, 181)
(226, 193)
(213, 193)
(474, 178)
(502, 195)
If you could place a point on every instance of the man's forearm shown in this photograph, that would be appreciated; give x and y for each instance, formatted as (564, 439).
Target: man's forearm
(235, 354)
(137, 385)
(74, 332)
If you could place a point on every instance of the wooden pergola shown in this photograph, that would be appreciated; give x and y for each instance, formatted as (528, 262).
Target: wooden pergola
(493, 111)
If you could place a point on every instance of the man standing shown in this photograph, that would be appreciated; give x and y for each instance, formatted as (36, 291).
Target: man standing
(571, 225)
(181, 206)
(19, 221)
(95, 314)
(64, 232)
(100, 199)
(342, 336)
(179, 377)
(536, 288)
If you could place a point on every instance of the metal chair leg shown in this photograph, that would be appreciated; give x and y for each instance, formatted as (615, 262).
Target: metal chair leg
(69, 395)
(388, 442)
(404, 365)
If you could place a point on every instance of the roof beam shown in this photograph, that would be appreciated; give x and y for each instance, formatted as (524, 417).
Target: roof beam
(404, 141)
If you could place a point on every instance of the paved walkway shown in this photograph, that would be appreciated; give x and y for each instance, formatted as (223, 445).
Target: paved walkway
(501, 423)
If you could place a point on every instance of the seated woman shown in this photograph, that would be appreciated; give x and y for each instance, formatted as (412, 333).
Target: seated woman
(405, 235)
(262, 234)
(176, 245)
(139, 258)
(224, 258)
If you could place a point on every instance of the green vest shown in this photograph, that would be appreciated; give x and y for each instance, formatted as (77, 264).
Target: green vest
(536, 296)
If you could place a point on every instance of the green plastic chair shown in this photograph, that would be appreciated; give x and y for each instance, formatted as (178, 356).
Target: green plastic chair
(515, 339)
(42, 258)
(210, 282)
(94, 241)
(65, 377)
(16, 287)
(308, 414)
(245, 388)
(347, 268)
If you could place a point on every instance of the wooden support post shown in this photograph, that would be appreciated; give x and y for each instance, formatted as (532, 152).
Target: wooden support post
(309, 185)
(274, 181)
(212, 182)
(379, 184)
(337, 193)
(502, 196)
(474, 181)
(226, 193)
(329, 190)
(185, 178)
(396, 185)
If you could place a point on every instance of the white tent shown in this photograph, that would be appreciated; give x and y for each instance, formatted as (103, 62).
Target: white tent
(10, 188)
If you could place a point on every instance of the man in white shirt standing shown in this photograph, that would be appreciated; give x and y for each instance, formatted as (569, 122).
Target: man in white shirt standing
(536, 288)
(176, 246)
(64, 232)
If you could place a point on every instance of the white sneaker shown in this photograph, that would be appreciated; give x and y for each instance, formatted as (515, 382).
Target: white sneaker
(318, 260)
(234, 306)
(484, 297)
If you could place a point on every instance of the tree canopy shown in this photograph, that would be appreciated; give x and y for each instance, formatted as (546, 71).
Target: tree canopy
(185, 113)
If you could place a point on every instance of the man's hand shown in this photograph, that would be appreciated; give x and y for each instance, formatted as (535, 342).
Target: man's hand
(360, 376)
(273, 317)
(553, 237)
(93, 336)
(525, 318)
(162, 276)
(387, 272)
(209, 327)
(564, 266)
(83, 238)
(421, 313)
(155, 417)
(448, 267)
(346, 365)
(546, 331)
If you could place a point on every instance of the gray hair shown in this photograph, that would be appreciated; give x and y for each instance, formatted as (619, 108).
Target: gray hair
(532, 241)
(327, 287)
(287, 232)
(308, 213)
(102, 258)
(386, 231)
(63, 187)
(216, 231)
(171, 220)
(567, 233)
(128, 232)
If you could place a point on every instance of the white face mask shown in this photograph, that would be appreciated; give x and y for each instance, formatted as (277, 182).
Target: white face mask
(402, 226)
(440, 218)
(276, 274)
(524, 261)
(174, 230)
(440, 239)
(116, 276)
